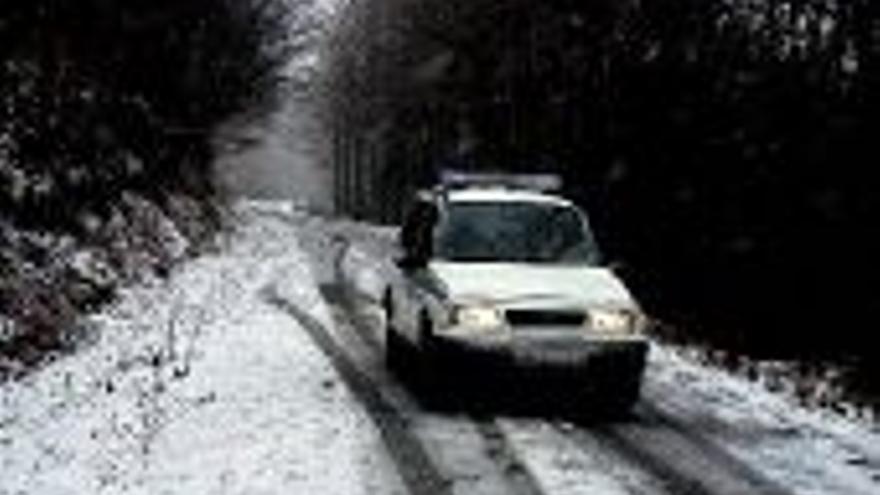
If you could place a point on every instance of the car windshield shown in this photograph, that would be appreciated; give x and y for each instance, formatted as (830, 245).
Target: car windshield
(515, 232)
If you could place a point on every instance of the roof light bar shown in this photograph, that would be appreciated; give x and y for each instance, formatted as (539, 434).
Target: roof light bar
(537, 182)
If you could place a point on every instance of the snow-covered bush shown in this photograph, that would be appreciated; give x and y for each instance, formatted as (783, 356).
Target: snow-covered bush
(106, 113)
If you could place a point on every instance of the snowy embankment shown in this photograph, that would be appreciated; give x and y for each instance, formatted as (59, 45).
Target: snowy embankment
(810, 451)
(197, 385)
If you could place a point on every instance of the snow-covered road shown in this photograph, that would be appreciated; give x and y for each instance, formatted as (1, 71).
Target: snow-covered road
(252, 371)
(697, 430)
(197, 385)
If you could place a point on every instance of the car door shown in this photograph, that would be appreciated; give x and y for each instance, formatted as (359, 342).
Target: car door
(416, 241)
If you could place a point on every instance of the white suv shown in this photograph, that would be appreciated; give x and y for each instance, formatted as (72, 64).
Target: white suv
(504, 284)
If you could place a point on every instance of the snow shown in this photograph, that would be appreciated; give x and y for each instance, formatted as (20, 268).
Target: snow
(809, 451)
(561, 468)
(90, 267)
(197, 385)
(8, 329)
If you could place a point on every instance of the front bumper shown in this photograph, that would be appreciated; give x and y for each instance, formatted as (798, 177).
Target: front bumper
(523, 356)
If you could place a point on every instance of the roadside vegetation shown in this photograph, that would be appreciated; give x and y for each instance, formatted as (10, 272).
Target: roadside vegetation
(724, 148)
(106, 115)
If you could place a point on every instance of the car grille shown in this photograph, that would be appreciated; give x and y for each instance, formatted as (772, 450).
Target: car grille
(521, 317)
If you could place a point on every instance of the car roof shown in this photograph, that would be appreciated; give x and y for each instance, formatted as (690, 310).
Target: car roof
(503, 194)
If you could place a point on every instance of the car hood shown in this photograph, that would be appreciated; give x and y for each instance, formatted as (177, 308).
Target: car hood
(531, 285)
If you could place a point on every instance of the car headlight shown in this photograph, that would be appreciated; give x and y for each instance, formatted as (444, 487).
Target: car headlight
(477, 317)
(612, 321)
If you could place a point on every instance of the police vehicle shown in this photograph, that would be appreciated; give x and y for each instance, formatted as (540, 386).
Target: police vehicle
(501, 283)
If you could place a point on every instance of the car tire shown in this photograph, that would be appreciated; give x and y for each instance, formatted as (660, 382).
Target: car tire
(620, 385)
(427, 370)
(614, 401)
(622, 400)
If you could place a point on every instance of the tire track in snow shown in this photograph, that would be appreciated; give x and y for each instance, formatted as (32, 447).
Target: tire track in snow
(504, 453)
(760, 484)
(566, 467)
(518, 478)
(673, 481)
(681, 460)
(337, 295)
(416, 468)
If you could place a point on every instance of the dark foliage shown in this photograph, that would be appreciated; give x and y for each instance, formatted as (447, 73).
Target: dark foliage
(103, 96)
(106, 111)
(723, 148)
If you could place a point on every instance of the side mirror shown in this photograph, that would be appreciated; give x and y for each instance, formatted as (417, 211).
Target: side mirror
(617, 266)
(416, 236)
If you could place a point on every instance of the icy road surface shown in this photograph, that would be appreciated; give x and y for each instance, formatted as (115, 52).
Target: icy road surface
(256, 371)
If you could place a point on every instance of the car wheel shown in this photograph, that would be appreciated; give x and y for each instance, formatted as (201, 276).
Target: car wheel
(622, 401)
(427, 371)
(617, 400)
(619, 384)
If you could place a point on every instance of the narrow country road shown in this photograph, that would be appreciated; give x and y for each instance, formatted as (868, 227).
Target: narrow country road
(677, 440)
(259, 368)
